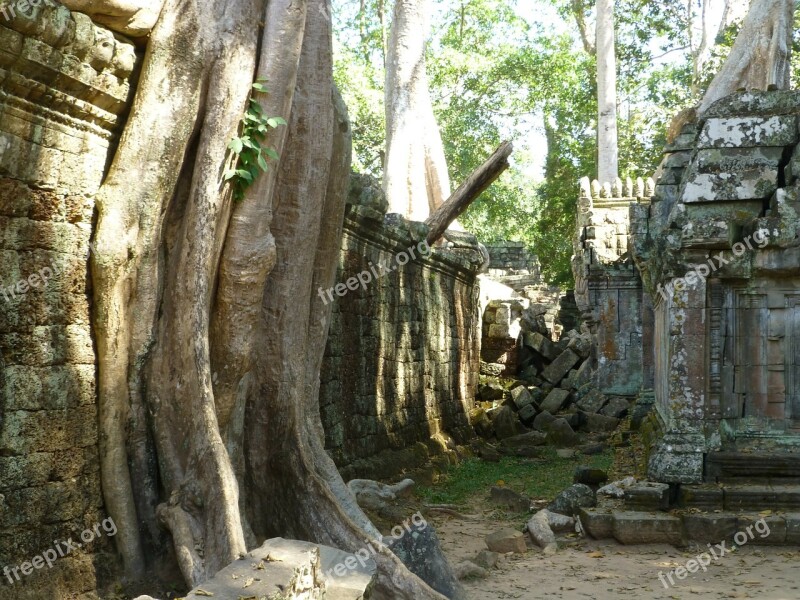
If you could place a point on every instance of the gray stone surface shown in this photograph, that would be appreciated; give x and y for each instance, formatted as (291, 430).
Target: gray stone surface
(555, 400)
(647, 528)
(556, 371)
(506, 540)
(422, 554)
(561, 435)
(571, 500)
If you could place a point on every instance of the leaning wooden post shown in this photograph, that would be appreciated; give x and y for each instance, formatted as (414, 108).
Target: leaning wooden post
(468, 192)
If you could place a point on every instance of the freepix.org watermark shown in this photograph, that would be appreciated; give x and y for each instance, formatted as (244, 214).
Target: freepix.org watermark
(701, 272)
(9, 10)
(36, 280)
(717, 551)
(59, 550)
(374, 273)
(416, 523)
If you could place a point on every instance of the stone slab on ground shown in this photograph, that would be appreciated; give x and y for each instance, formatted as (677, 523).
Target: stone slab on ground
(506, 540)
(561, 435)
(597, 522)
(272, 567)
(633, 527)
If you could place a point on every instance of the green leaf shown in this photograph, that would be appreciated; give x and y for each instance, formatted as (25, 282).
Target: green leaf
(262, 163)
(236, 145)
(271, 153)
(260, 87)
(229, 174)
(275, 121)
(244, 175)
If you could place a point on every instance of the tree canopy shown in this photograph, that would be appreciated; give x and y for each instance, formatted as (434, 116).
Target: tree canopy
(525, 70)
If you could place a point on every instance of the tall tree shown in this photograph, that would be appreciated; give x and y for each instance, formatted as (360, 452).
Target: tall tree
(607, 136)
(761, 56)
(205, 434)
(415, 176)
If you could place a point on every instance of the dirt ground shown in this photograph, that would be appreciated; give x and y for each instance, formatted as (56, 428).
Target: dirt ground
(587, 568)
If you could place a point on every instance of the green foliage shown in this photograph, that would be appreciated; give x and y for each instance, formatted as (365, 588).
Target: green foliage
(537, 478)
(250, 155)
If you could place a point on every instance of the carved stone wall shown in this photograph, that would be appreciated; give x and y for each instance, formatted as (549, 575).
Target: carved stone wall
(719, 253)
(402, 359)
(64, 89)
(608, 289)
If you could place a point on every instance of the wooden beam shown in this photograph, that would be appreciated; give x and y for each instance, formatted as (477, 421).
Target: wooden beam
(480, 179)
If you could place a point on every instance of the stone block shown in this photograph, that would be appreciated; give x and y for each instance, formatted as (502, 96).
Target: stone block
(592, 402)
(631, 527)
(525, 445)
(589, 475)
(555, 400)
(556, 371)
(760, 530)
(792, 528)
(749, 184)
(521, 397)
(749, 132)
(540, 344)
(561, 435)
(749, 497)
(527, 414)
(616, 407)
(710, 528)
(597, 522)
(600, 423)
(543, 420)
(506, 540)
(646, 495)
(704, 497)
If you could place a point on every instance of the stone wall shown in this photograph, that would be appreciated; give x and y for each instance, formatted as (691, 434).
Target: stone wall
(401, 364)
(513, 264)
(719, 253)
(64, 88)
(608, 289)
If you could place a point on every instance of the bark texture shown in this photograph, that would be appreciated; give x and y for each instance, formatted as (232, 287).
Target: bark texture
(209, 337)
(607, 140)
(760, 57)
(415, 179)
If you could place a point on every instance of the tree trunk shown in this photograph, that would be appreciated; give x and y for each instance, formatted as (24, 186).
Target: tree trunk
(415, 178)
(607, 144)
(208, 363)
(760, 56)
(468, 192)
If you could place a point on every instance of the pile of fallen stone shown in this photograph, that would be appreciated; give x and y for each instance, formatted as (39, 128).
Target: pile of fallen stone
(551, 402)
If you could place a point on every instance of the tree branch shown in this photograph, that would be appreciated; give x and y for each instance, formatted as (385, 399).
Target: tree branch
(468, 192)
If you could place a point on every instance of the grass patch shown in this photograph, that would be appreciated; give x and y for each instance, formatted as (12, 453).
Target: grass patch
(540, 478)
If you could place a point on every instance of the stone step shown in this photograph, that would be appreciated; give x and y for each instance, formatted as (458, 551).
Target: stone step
(677, 528)
(733, 497)
(738, 467)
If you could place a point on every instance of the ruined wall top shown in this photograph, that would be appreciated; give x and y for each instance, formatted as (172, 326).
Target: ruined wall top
(53, 58)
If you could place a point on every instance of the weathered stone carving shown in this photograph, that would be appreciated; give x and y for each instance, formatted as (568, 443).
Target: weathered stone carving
(719, 253)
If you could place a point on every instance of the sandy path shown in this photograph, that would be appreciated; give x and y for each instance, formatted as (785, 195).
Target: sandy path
(605, 569)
